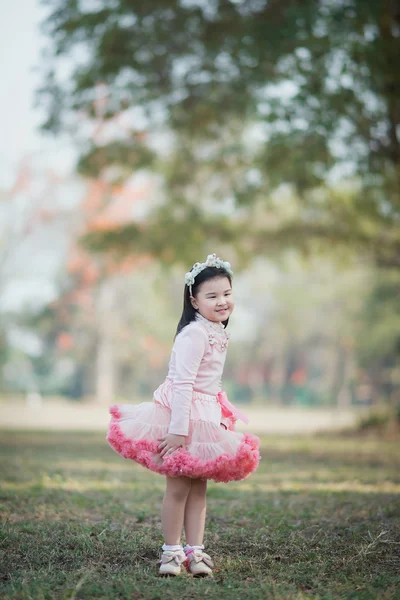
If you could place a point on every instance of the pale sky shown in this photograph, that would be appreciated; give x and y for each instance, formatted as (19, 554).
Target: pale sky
(34, 265)
(20, 45)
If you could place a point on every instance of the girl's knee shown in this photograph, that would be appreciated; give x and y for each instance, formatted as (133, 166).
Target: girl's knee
(178, 488)
(199, 487)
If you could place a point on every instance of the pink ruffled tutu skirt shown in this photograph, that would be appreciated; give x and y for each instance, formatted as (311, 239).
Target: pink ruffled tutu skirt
(211, 451)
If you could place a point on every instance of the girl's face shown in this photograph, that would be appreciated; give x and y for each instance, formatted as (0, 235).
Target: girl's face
(214, 299)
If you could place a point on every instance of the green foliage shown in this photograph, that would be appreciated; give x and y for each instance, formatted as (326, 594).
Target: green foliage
(381, 317)
(318, 82)
(282, 121)
(379, 419)
(173, 236)
(127, 155)
(49, 370)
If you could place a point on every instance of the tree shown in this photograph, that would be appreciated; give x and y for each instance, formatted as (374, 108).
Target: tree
(317, 81)
(378, 342)
(94, 280)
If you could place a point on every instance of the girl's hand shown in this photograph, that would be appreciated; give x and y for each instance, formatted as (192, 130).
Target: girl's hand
(170, 443)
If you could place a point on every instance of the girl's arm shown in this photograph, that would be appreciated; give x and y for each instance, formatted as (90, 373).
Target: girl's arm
(190, 347)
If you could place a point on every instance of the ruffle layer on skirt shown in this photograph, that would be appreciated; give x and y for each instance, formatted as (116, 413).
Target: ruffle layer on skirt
(211, 451)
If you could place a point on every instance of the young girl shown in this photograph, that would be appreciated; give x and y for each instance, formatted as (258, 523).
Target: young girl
(188, 432)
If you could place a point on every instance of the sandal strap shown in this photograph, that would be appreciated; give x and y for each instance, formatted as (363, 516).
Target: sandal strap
(176, 556)
(200, 556)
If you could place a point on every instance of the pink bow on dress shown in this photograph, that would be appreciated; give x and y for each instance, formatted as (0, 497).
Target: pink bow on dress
(227, 408)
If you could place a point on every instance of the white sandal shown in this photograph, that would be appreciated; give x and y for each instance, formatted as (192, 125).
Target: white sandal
(170, 563)
(198, 563)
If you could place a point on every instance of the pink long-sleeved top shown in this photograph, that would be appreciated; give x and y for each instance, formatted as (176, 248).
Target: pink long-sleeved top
(196, 365)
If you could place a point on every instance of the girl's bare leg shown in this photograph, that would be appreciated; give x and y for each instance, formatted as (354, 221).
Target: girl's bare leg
(173, 509)
(195, 513)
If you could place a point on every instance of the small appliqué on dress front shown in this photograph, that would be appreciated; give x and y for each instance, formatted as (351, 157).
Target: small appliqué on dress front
(218, 342)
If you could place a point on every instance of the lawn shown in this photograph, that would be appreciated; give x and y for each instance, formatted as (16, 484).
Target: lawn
(320, 519)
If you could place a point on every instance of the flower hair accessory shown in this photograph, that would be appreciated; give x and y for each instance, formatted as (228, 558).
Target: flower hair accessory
(212, 261)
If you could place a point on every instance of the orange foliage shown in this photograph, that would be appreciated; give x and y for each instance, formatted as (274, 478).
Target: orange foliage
(65, 341)
(94, 199)
(45, 215)
(77, 260)
(90, 274)
(141, 136)
(125, 265)
(24, 177)
(118, 211)
(105, 207)
(83, 298)
(299, 377)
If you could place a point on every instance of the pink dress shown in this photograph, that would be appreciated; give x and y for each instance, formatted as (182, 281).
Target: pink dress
(187, 403)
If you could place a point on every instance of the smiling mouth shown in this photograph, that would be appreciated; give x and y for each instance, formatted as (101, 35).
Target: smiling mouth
(222, 310)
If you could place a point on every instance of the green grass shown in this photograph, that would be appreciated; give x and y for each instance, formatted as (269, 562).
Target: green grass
(320, 519)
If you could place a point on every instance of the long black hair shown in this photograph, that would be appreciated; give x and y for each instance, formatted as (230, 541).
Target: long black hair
(189, 312)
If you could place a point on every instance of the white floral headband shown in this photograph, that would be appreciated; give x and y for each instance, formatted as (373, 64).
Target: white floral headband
(212, 261)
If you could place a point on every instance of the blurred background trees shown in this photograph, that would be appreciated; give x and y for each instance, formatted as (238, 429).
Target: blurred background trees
(265, 131)
(251, 96)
